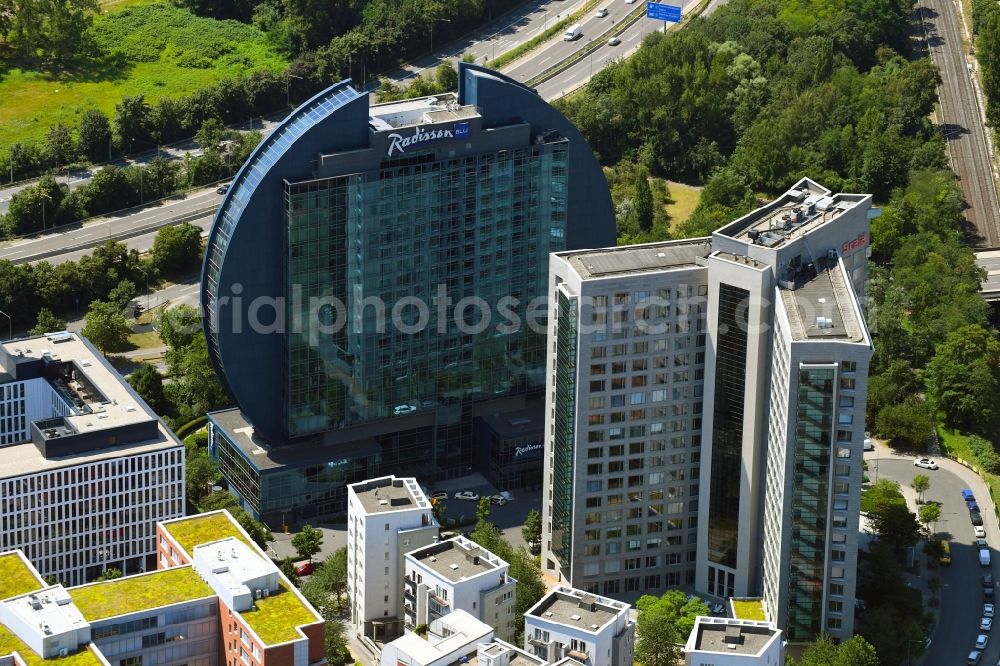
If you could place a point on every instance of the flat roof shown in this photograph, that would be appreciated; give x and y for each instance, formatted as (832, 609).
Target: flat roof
(629, 259)
(242, 564)
(21, 459)
(262, 456)
(194, 530)
(806, 206)
(989, 261)
(457, 559)
(516, 656)
(389, 493)
(730, 636)
(133, 594)
(821, 307)
(50, 610)
(419, 111)
(9, 643)
(17, 576)
(466, 632)
(575, 608)
(276, 618)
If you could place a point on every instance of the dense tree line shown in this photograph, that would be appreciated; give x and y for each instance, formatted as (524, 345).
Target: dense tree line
(986, 28)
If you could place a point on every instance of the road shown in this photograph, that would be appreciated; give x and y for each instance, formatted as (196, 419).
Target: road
(960, 118)
(198, 206)
(961, 593)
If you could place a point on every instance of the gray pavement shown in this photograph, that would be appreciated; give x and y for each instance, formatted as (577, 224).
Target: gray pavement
(961, 594)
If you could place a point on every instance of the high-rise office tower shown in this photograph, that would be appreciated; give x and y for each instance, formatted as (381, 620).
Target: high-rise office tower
(367, 285)
(705, 411)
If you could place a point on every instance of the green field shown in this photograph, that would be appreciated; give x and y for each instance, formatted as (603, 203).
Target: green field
(685, 200)
(152, 49)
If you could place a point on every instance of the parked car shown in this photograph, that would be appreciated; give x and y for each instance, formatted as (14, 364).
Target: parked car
(467, 495)
(972, 506)
(984, 557)
(976, 518)
(988, 587)
(980, 531)
(987, 610)
(974, 657)
(222, 189)
(499, 500)
(304, 568)
(926, 463)
(986, 624)
(981, 543)
(399, 410)
(945, 559)
(968, 496)
(981, 641)
(439, 495)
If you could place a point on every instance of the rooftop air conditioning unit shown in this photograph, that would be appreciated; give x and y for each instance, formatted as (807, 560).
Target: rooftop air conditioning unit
(265, 592)
(63, 652)
(257, 594)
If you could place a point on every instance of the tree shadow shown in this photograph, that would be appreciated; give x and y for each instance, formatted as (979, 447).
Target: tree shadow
(85, 69)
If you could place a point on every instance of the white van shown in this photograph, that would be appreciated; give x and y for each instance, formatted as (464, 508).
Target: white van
(573, 32)
(984, 557)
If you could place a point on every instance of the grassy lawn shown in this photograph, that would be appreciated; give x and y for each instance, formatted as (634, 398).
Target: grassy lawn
(145, 340)
(189, 532)
(15, 577)
(749, 610)
(137, 593)
(685, 201)
(276, 617)
(151, 49)
(956, 445)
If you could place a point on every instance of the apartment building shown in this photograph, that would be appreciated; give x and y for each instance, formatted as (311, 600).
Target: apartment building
(88, 467)
(386, 518)
(705, 412)
(458, 574)
(723, 641)
(590, 629)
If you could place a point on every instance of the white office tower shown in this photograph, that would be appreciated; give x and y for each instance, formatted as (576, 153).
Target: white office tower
(569, 623)
(705, 412)
(87, 469)
(623, 411)
(458, 574)
(386, 518)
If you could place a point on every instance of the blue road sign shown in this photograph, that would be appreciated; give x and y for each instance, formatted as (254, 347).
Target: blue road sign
(661, 12)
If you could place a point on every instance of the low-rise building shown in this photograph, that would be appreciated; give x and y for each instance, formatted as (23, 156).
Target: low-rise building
(723, 641)
(449, 639)
(386, 518)
(593, 630)
(458, 574)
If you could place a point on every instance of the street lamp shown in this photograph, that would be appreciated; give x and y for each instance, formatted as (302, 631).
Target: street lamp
(45, 197)
(432, 30)
(10, 325)
(288, 81)
(10, 157)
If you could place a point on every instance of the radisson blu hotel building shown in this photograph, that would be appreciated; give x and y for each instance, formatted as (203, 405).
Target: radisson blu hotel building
(370, 284)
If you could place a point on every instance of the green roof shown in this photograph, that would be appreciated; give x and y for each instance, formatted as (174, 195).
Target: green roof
(16, 577)
(9, 642)
(275, 618)
(138, 593)
(749, 609)
(197, 530)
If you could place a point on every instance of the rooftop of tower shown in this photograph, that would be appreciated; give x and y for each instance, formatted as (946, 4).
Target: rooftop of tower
(420, 111)
(801, 209)
(820, 305)
(631, 259)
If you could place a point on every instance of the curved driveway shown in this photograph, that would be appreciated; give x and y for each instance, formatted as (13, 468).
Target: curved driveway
(961, 593)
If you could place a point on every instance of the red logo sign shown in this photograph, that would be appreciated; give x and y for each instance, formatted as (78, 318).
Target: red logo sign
(853, 244)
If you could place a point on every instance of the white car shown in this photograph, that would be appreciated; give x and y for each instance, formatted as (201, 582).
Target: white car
(467, 495)
(869, 445)
(974, 657)
(629, 2)
(986, 624)
(926, 463)
(614, 41)
(987, 610)
(980, 531)
(439, 496)
(981, 641)
(399, 410)
(601, 13)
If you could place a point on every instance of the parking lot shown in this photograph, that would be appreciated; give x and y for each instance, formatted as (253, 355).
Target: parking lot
(508, 518)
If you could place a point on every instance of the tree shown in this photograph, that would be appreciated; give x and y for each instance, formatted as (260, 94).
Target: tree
(532, 530)
(656, 631)
(132, 123)
(962, 378)
(148, 383)
(46, 322)
(176, 248)
(60, 148)
(177, 326)
(895, 385)
(308, 542)
(643, 200)
(162, 177)
(483, 510)
(921, 483)
(287, 567)
(211, 134)
(200, 474)
(907, 424)
(929, 514)
(885, 507)
(337, 653)
(106, 327)
(122, 294)
(93, 139)
(824, 652)
(110, 573)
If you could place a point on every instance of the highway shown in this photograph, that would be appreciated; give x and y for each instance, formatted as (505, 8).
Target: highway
(960, 118)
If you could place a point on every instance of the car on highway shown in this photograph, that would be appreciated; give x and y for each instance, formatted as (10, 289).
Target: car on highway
(980, 531)
(926, 463)
(987, 610)
(573, 32)
(968, 496)
(399, 410)
(985, 624)
(614, 41)
(974, 657)
(439, 495)
(601, 13)
(981, 641)
(467, 495)
(499, 500)
(222, 189)
(976, 518)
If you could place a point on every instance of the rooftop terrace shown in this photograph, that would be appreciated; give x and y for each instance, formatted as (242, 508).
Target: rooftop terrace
(190, 532)
(17, 577)
(133, 594)
(277, 616)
